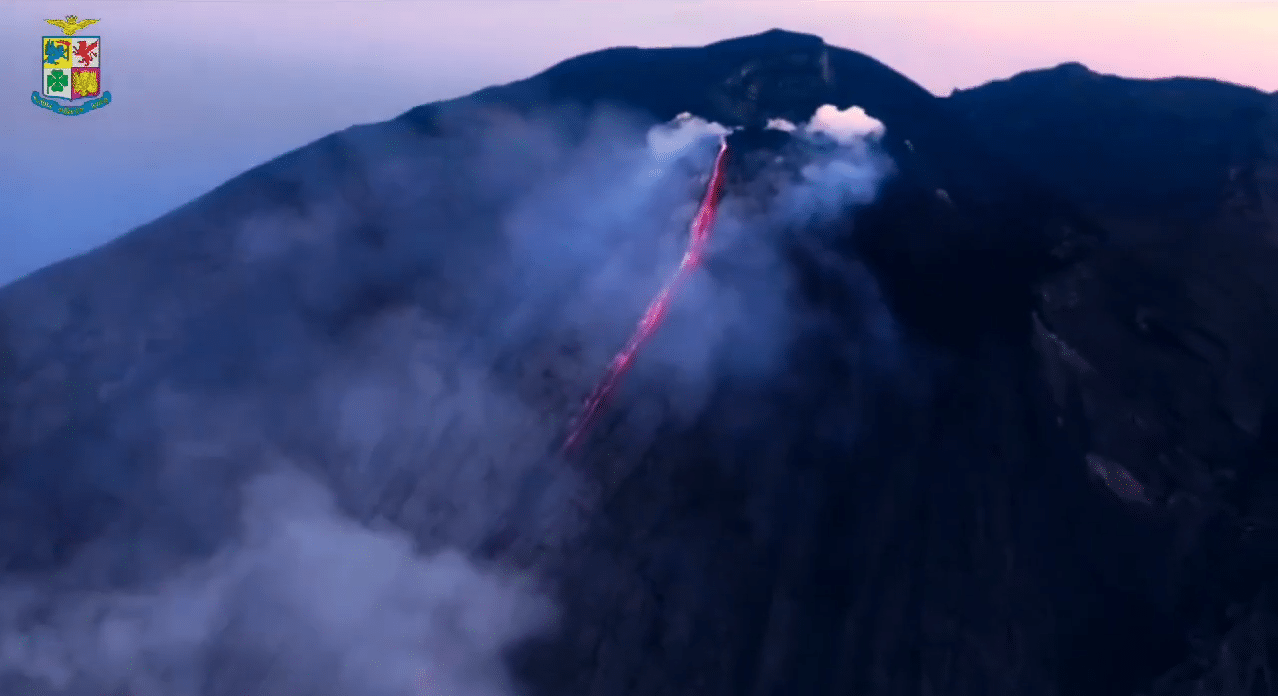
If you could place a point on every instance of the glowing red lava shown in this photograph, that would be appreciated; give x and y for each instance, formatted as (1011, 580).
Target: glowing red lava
(702, 225)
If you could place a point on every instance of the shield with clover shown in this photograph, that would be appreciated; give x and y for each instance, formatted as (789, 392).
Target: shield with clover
(71, 70)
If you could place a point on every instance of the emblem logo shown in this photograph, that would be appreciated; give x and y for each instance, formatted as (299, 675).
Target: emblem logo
(71, 70)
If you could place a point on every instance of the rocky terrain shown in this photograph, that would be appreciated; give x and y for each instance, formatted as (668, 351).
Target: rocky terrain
(1000, 421)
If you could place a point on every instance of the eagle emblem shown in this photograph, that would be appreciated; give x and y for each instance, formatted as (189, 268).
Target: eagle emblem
(71, 24)
(71, 70)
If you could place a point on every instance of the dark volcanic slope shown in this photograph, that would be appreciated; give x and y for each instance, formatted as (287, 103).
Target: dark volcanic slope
(909, 498)
(1175, 319)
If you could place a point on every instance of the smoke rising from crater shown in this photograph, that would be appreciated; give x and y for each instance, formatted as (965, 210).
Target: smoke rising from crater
(410, 321)
(670, 140)
(845, 125)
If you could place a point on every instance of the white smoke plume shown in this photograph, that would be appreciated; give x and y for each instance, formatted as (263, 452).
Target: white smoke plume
(780, 124)
(672, 139)
(845, 126)
(835, 184)
(316, 602)
(849, 175)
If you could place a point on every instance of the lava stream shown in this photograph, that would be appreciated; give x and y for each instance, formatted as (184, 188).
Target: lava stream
(699, 235)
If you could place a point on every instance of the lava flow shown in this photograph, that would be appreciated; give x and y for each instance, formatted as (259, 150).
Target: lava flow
(699, 235)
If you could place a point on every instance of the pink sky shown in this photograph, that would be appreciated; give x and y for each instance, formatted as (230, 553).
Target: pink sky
(205, 89)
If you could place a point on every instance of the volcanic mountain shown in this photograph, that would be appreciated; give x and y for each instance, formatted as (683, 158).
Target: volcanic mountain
(1006, 425)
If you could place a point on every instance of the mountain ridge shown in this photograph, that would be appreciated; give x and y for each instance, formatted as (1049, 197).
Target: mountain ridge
(977, 436)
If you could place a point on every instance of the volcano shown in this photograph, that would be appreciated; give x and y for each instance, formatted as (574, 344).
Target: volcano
(1005, 424)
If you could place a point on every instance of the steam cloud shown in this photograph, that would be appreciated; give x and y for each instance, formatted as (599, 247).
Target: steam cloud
(780, 124)
(421, 427)
(314, 601)
(831, 181)
(846, 176)
(845, 126)
(672, 139)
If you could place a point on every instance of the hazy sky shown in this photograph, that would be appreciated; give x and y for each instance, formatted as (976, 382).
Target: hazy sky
(205, 89)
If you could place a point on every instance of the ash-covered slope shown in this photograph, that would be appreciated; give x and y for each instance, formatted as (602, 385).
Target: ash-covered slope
(853, 460)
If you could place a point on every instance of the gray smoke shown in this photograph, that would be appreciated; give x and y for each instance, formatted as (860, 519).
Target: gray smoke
(307, 601)
(292, 489)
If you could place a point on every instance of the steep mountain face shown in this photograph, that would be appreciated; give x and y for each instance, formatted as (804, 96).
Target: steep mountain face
(1169, 329)
(955, 440)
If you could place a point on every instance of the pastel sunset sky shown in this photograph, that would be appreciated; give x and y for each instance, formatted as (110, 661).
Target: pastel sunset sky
(205, 89)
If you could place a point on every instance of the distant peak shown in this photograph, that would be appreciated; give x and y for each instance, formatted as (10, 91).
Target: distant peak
(784, 35)
(1073, 68)
(773, 38)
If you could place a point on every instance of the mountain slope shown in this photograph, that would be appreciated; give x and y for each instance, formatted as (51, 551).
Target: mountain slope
(867, 454)
(1174, 318)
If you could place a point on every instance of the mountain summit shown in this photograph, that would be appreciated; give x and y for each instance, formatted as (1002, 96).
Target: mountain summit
(938, 414)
